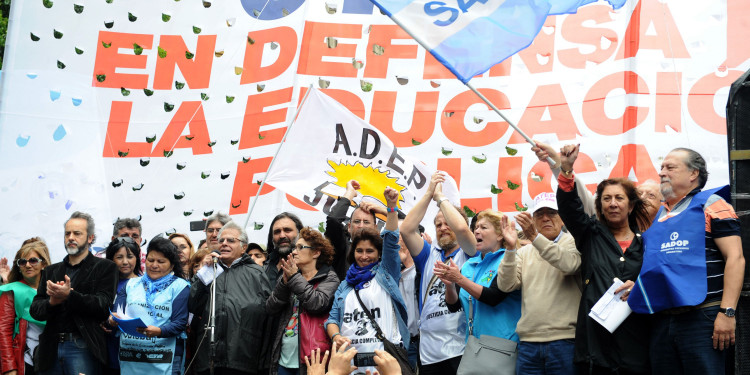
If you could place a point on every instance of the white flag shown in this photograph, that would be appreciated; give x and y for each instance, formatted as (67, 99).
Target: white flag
(328, 145)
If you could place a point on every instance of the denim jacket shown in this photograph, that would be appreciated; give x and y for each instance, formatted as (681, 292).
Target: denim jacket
(387, 274)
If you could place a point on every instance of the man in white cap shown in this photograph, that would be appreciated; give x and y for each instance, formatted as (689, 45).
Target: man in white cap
(546, 271)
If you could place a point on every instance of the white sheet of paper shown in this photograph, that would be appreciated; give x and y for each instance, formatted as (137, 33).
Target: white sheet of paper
(610, 311)
(206, 274)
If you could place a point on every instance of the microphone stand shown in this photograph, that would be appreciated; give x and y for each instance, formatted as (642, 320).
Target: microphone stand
(212, 321)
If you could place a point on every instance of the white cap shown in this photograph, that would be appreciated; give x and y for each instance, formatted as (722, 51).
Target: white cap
(548, 200)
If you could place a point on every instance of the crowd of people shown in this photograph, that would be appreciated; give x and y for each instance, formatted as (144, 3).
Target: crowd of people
(358, 299)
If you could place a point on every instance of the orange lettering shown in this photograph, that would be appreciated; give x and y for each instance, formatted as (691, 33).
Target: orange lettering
(656, 14)
(701, 101)
(246, 186)
(509, 171)
(252, 71)
(348, 99)
(196, 71)
(539, 56)
(422, 122)
(382, 35)
(593, 106)
(190, 114)
(668, 102)
(452, 119)
(108, 60)
(256, 117)
(634, 158)
(117, 132)
(314, 49)
(547, 99)
(573, 30)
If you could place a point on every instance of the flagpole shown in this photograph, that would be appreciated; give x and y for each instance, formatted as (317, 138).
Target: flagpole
(288, 128)
(489, 103)
(479, 94)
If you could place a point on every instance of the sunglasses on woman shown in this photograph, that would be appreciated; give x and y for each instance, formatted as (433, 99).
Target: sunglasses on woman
(32, 261)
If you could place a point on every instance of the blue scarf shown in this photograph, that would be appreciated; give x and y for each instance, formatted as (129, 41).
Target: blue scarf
(358, 276)
(153, 287)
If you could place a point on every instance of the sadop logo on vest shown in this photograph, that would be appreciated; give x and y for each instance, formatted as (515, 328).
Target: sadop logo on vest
(675, 245)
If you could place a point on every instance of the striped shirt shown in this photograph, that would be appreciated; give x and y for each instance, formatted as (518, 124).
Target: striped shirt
(721, 221)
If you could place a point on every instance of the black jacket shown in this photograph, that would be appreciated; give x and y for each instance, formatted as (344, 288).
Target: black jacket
(602, 260)
(94, 287)
(315, 300)
(338, 235)
(242, 328)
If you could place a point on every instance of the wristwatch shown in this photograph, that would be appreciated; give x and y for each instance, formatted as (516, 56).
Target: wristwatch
(728, 311)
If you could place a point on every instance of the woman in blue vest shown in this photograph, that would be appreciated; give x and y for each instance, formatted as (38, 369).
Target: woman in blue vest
(19, 332)
(159, 298)
(611, 247)
(373, 277)
(495, 313)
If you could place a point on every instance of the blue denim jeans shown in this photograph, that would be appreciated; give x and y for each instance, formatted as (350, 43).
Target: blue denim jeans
(74, 358)
(546, 358)
(682, 344)
(413, 352)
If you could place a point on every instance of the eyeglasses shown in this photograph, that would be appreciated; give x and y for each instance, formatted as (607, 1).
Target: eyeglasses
(545, 211)
(300, 247)
(125, 240)
(32, 261)
(212, 230)
(228, 240)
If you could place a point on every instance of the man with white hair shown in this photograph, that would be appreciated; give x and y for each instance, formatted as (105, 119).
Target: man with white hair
(546, 271)
(242, 288)
(692, 271)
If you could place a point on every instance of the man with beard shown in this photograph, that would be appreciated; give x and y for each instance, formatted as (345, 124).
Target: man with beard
(282, 237)
(692, 271)
(74, 296)
(442, 334)
(340, 234)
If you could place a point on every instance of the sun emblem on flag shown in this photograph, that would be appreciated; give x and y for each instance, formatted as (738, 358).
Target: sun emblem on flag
(373, 181)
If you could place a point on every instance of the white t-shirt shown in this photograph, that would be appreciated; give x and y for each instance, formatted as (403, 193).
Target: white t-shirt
(442, 333)
(406, 286)
(356, 325)
(32, 340)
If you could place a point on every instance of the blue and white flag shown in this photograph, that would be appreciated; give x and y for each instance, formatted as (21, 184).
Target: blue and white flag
(470, 36)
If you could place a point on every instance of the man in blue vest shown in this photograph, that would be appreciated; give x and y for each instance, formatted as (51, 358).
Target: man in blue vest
(692, 271)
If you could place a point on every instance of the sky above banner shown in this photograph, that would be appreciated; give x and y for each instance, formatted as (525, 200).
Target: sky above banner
(172, 111)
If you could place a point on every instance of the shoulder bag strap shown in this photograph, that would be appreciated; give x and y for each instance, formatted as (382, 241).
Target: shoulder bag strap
(471, 315)
(375, 325)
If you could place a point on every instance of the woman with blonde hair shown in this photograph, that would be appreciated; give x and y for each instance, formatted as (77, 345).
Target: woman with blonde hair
(19, 332)
(498, 312)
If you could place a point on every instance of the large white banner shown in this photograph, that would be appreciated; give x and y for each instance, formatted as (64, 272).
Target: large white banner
(170, 111)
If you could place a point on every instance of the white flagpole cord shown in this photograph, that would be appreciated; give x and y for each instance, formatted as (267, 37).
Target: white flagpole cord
(288, 128)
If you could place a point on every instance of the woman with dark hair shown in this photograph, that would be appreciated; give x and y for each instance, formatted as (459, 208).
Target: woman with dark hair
(126, 254)
(160, 299)
(371, 284)
(304, 295)
(184, 248)
(611, 247)
(19, 332)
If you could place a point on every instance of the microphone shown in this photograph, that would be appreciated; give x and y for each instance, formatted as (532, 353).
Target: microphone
(216, 259)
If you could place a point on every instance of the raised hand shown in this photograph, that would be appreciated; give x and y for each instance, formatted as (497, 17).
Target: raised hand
(351, 189)
(508, 227)
(316, 366)
(391, 197)
(4, 270)
(437, 179)
(544, 151)
(527, 225)
(386, 363)
(449, 273)
(568, 156)
(341, 359)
